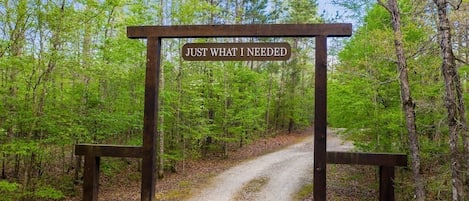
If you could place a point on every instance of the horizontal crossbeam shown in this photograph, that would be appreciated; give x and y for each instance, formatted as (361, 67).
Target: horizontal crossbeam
(106, 150)
(252, 30)
(385, 161)
(360, 158)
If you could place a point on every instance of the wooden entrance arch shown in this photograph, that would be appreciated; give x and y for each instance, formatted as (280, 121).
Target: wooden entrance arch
(154, 36)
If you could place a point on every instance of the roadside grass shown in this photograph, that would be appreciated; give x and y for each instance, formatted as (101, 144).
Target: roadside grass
(305, 191)
(248, 191)
(186, 188)
(179, 193)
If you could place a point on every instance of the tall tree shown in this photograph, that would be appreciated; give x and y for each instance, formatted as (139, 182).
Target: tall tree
(161, 104)
(297, 74)
(454, 100)
(408, 104)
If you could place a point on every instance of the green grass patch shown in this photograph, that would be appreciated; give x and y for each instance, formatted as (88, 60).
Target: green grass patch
(304, 192)
(181, 192)
(248, 191)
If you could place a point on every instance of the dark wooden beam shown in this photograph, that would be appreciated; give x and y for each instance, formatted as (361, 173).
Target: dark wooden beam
(386, 183)
(91, 178)
(251, 30)
(150, 118)
(360, 158)
(100, 150)
(320, 119)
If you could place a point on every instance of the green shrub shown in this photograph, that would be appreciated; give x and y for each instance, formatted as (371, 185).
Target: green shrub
(48, 193)
(8, 190)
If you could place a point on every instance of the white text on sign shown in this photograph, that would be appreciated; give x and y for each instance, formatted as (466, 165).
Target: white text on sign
(236, 51)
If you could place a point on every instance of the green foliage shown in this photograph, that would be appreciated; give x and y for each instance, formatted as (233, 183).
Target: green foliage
(8, 187)
(303, 11)
(347, 101)
(364, 95)
(110, 167)
(20, 147)
(8, 190)
(63, 84)
(364, 91)
(49, 193)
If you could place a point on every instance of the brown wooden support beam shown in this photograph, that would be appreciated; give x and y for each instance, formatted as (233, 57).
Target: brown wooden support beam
(320, 119)
(386, 183)
(249, 30)
(150, 119)
(360, 158)
(91, 178)
(107, 150)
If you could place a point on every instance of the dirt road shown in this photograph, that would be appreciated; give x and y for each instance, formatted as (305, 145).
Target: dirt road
(275, 176)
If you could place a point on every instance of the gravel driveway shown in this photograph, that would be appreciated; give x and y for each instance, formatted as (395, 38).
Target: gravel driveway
(273, 177)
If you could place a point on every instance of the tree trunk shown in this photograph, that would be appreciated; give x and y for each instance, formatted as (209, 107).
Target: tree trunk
(466, 31)
(45, 77)
(461, 33)
(225, 113)
(406, 99)
(17, 44)
(178, 120)
(161, 117)
(161, 132)
(454, 101)
(3, 176)
(466, 138)
(269, 100)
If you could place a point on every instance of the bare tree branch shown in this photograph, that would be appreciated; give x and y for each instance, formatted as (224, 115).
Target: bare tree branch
(381, 3)
(457, 6)
(462, 61)
(351, 4)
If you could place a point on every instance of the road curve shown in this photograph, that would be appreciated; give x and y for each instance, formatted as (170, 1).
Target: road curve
(284, 172)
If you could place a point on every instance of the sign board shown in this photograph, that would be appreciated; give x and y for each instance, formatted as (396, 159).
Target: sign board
(236, 51)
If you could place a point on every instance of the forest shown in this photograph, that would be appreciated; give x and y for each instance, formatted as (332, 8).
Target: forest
(70, 75)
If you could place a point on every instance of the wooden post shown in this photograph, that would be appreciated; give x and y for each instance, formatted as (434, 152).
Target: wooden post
(91, 177)
(386, 183)
(320, 119)
(150, 121)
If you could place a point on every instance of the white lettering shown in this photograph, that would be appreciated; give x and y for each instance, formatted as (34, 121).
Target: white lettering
(250, 52)
(263, 51)
(266, 52)
(276, 51)
(236, 52)
(196, 52)
(283, 52)
(223, 52)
